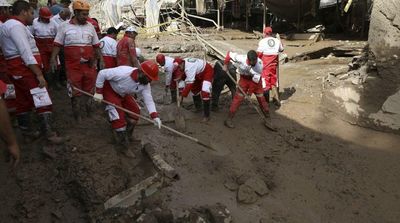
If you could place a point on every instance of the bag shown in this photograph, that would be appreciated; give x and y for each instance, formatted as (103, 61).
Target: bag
(10, 92)
(40, 97)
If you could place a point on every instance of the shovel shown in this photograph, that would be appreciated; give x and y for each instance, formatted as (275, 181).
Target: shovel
(180, 122)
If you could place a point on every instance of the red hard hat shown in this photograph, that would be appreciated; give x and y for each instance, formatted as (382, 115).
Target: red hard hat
(160, 58)
(267, 30)
(44, 13)
(179, 60)
(150, 68)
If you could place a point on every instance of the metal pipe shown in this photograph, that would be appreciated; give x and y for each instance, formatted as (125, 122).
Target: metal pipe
(206, 19)
(218, 19)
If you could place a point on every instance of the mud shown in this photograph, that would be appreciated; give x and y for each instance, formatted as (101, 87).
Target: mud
(316, 168)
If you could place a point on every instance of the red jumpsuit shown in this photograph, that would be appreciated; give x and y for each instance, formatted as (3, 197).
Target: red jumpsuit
(268, 50)
(79, 42)
(198, 78)
(126, 49)
(20, 50)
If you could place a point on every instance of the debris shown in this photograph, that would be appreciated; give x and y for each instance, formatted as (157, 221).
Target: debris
(159, 162)
(134, 194)
(232, 186)
(246, 195)
(257, 185)
(49, 151)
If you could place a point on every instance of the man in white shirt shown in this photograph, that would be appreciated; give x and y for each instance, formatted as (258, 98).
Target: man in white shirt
(108, 46)
(116, 85)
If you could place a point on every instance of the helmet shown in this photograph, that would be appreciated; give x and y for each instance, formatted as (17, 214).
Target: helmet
(44, 13)
(138, 52)
(178, 61)
(131, 29)
(80, 5)
(4, 3)
(267, 30)
(160, 58)
(150, 68)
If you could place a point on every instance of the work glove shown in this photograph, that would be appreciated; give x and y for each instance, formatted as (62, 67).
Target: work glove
(53, 66)
(98, 97)
(157, 122)
(256, 78)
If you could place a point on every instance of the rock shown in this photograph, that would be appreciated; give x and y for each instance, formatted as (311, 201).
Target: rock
(147, 218)
(258, 186)
(232, 186)
(164, 215)
(246, 195)
(219, 214)
(344, 76)
(242, 178)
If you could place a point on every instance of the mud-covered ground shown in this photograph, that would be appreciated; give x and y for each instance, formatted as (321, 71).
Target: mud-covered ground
(317, 167)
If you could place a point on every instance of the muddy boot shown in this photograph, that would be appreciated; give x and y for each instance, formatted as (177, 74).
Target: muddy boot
(130, 129)
(206, 107)
(275, 97)
(76, 109)
(197, 103)
(24, 123)
(89, 106)
(173, 96)
(123, 142)
(47, 129)
(229, 121)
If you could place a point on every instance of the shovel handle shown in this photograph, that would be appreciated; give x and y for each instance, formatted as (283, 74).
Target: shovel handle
(147, 119)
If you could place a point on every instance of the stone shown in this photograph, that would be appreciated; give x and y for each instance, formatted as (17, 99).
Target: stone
(147, 218)
(246, 195)
(257, 185)
(232, 186)
(219, 214)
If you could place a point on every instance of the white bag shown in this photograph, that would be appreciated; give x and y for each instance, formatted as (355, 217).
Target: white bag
(112, 113)
(40, 97)
(10, 92)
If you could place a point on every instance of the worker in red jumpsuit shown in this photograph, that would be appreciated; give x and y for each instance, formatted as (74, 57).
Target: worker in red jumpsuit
(170, 66)
(198, 77)
(44, 30)
(250, 68)
(268, 50)
(108, 46)
(24, 65)
(126, 49)
(82, 53)
(117, 85)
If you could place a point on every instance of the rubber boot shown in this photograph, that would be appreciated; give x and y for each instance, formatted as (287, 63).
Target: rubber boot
(206, 107)
(214, 104)
(229, 121)
(197, 103)
(130, 130)
(76, 108)
(123, 142)
(89, 106)
(47, 129)
(24, 123)
(275, 97)
(173, 96)
(266, 96)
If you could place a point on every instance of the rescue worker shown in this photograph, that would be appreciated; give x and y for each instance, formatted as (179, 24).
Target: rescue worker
(4, 10)
(126, 49)
(9, 96)
(268, 50)
(6, 130)
(34, 5)
(250, 69)
(198, 77)
(96, 26)
(57, 8)
(63, 16)
(44, 30)
(117, 85)
(108, 46)
(221, 79)
(81, 51)
(24, 63)
(170, 67)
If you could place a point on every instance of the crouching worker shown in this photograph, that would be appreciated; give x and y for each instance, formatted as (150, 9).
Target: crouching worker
(250, 69)
(116, 85)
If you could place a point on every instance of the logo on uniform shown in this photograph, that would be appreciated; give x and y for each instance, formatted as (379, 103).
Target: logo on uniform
(271, 42)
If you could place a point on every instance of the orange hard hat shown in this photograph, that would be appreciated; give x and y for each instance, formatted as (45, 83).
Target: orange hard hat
(150, 68)
(80, 5)
(160, 58)
(44, 13)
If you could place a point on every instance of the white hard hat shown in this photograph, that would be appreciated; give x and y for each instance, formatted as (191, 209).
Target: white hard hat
(4, 3)
(138, 52)
(131, 29)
